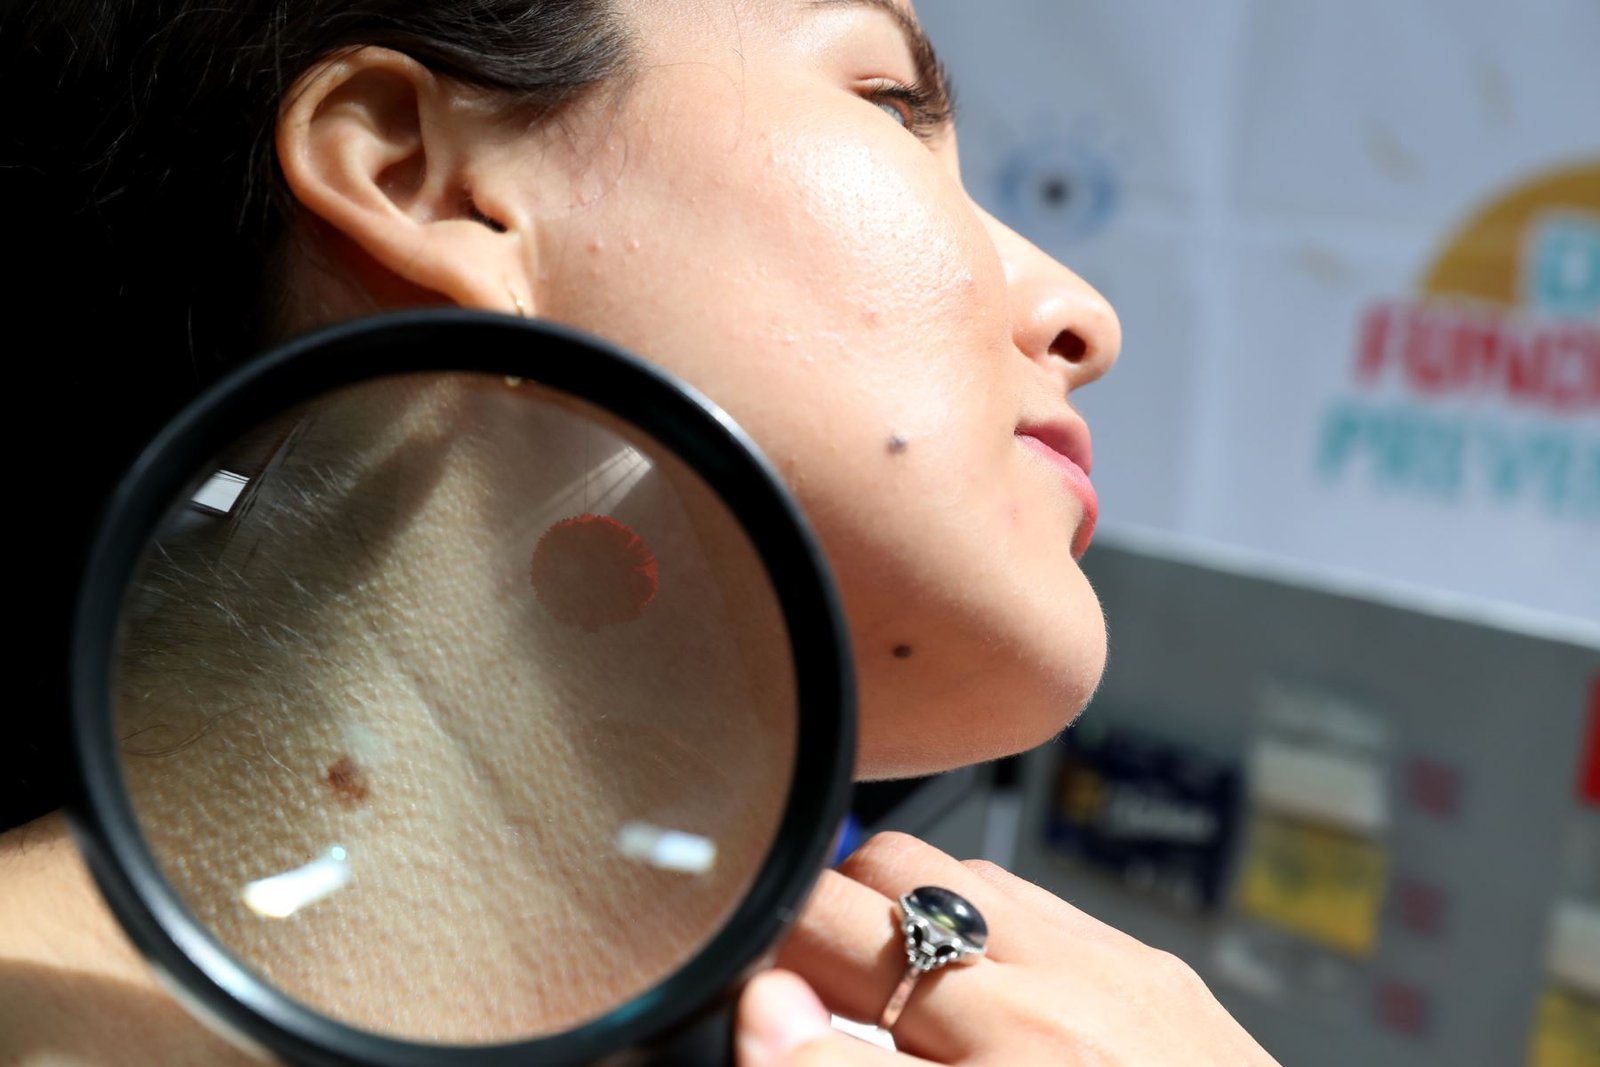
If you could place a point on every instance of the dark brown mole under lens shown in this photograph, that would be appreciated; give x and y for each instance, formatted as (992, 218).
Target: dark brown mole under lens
(902, 651)
(348, 781)
(897, 444)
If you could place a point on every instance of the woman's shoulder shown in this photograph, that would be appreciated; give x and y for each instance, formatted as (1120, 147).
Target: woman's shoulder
(72, 989)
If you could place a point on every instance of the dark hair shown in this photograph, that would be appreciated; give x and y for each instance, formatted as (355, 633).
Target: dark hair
(148, 215)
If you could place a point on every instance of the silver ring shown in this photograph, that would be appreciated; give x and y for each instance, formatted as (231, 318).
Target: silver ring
(940, 928)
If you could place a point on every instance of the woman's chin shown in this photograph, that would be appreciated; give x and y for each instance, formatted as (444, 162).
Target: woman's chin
(950, 680)
(906, 736)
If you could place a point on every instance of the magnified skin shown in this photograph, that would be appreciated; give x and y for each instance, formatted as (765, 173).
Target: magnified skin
(358, 668)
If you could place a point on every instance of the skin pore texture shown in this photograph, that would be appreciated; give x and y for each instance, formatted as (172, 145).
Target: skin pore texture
(758, 213)
(357, 665)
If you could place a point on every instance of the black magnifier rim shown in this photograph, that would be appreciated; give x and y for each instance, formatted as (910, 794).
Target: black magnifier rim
(455, 340)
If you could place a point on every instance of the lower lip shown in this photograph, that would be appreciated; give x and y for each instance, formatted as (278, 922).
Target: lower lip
(1078, 482)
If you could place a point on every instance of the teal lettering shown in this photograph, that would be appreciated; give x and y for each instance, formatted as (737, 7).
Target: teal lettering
(1341, 426)
(1400, 449)
(1504, 464)
(1441, 446)
(1405, 450)
(1389, 435)
(1550, 468)
(1550, 456)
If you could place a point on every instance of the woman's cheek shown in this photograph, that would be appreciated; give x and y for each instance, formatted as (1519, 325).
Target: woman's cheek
(884, 213)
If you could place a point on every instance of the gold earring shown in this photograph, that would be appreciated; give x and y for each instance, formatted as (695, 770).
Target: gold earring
(522, 313)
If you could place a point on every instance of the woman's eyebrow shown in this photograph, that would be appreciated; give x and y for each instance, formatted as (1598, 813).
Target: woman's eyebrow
(931, 72)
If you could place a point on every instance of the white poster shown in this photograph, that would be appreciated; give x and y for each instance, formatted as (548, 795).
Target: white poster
(1356, 252)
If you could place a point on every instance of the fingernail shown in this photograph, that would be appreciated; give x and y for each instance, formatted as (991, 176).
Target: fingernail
(783, 1014)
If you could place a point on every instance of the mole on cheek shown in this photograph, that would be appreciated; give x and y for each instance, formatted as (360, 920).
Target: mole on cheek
(897, 444)
(902, 651)
(348, 781)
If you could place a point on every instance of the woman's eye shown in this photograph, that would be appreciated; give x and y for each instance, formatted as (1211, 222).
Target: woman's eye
(900, 102)
(897, 110)
(920, 111)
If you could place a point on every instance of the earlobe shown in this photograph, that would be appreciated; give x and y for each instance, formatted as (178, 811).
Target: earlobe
(383, 151)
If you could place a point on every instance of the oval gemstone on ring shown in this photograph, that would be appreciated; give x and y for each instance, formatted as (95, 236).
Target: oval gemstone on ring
(950, 911)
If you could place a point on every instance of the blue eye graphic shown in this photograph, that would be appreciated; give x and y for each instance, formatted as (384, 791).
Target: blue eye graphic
(1061, 189)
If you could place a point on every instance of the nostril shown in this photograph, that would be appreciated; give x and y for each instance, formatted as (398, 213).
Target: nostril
(1069, 346)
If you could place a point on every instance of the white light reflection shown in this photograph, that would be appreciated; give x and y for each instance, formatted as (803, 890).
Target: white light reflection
(670, 850)
(599, 487)
(281, 895)
(623, 479)
(220, 492)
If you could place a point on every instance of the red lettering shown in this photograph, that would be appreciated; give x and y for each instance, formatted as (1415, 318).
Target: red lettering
(1591, 360)
(1567, 379)
(1426, 351)
(1374, 346)
(1445, 348)
(1475, 349)
(1524, 358)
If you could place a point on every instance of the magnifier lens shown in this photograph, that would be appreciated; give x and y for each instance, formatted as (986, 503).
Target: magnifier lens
(454, 708)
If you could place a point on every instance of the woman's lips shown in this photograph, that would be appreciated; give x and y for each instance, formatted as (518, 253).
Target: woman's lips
(1077, 481)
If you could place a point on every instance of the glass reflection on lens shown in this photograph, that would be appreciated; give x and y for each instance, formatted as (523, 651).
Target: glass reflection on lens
(281, 895)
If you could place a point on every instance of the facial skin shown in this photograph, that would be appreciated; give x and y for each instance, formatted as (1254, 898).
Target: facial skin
(748, 215)
(856, 293)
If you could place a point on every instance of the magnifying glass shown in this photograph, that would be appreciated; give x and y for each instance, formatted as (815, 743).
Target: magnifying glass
(450, 688)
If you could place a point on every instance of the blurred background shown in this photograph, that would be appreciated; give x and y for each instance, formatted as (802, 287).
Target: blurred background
(1346, 760)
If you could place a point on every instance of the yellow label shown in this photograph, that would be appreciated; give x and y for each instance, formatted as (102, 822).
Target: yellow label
(1566, 1032)
(1323, 883)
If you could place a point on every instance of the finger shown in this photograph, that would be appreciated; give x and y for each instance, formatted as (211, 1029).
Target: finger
(894, 863)
(778, 1014)
(1045, 907)
(848, 945)
(1026, 923)
(782, 1023)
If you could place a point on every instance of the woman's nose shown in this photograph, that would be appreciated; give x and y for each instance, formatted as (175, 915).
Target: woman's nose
(1058, 320)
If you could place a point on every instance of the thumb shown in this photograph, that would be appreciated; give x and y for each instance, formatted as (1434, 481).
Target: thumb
(782, 1024)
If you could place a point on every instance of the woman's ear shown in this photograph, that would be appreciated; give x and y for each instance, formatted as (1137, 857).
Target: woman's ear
(385, 153)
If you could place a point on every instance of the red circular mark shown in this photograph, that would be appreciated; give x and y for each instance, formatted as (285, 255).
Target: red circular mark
(348, 781)
(592, 571)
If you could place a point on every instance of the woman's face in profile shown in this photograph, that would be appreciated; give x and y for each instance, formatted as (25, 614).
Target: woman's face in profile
(771, 222)
(771, 207)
